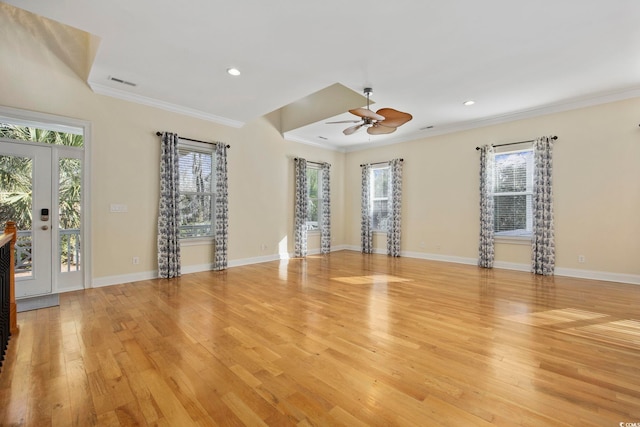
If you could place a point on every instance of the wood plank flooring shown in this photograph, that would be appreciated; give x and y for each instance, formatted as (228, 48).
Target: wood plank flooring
(344, 339)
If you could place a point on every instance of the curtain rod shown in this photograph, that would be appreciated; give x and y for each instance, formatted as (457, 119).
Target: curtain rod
(378, 163)
(194, 140)
(519, 142)
(315, 163)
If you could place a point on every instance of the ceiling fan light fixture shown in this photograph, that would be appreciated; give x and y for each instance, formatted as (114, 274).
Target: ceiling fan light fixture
(385, 120)
(232, 71)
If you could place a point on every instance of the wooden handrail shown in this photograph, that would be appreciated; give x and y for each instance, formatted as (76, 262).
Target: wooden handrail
(11, 232)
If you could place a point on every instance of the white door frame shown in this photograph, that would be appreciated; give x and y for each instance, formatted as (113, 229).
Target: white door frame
(65, 124)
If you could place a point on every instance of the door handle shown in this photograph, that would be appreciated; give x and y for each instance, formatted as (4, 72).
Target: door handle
(45, 227)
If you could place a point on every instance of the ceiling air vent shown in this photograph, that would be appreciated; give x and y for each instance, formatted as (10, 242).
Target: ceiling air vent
(124, 82)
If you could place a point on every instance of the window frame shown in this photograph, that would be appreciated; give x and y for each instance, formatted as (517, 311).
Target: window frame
(318, 198)
(505, 236)
(372, 199)
(204, 148)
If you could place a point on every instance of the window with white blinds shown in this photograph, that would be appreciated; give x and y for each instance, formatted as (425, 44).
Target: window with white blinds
(379, 197)
(197, 191)
(513, 191)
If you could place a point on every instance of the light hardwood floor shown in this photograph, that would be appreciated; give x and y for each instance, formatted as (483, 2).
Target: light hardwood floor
(344, 339)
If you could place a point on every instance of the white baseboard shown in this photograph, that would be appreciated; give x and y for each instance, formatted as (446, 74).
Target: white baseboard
(145, 275)
(568, 272)
(281, 256)
(605, 276)
(124, 278)
(256, 260)
(511, 266)
(188, 269)
(439, 257)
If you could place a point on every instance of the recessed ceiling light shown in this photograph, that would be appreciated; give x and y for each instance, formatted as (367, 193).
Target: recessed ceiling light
(469, 102)
(233, 71)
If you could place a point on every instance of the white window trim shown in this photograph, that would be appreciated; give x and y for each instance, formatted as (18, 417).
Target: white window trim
(196, 241)
(319, 198)
(207, 149)
(513, 240)
(373, 199)
(517, 240)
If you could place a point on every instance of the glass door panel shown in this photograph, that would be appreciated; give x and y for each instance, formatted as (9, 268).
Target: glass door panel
(25, 197)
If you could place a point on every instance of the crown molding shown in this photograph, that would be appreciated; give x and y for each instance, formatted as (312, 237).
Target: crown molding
(101, 89)
(567, 105)
(558, 107)
(292, 138)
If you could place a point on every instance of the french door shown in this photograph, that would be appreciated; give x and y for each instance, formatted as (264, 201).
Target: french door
(35, 180)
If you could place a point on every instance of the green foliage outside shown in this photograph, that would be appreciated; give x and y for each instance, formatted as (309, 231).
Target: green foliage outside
(16, 183)
(312, 198)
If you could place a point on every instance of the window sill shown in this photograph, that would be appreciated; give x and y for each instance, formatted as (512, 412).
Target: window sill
(513, 240)
(197, 241)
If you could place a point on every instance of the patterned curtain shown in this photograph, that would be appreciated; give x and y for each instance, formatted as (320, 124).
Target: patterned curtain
(300, 209)
(486, 250)
(169, 209)
(543, 247)
(395, 207)
(325, 211)
(366, 235)
(221, 213)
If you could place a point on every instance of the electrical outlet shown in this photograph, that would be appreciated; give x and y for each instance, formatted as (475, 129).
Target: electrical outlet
(581, 259)
(135, 260)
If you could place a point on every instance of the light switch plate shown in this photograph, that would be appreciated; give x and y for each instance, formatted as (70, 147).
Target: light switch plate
(118, 208)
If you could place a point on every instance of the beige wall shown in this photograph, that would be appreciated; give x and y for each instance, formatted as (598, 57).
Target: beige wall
(125, 156)
(596, 188)
(597, 176)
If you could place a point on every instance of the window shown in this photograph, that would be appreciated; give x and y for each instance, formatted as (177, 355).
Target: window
(379, 197)
(314, 197)
(513, 192)
(197, 191)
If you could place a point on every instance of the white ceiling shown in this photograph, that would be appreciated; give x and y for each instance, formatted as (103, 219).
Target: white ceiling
(426, 57)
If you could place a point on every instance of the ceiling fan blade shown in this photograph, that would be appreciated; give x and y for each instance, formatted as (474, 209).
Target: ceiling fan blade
(352, 129)
(343, 121)
(380, 130)
(394, 118)
(364, 112)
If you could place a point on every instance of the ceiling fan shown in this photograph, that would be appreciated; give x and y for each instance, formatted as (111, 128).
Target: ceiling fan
(385, 120)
